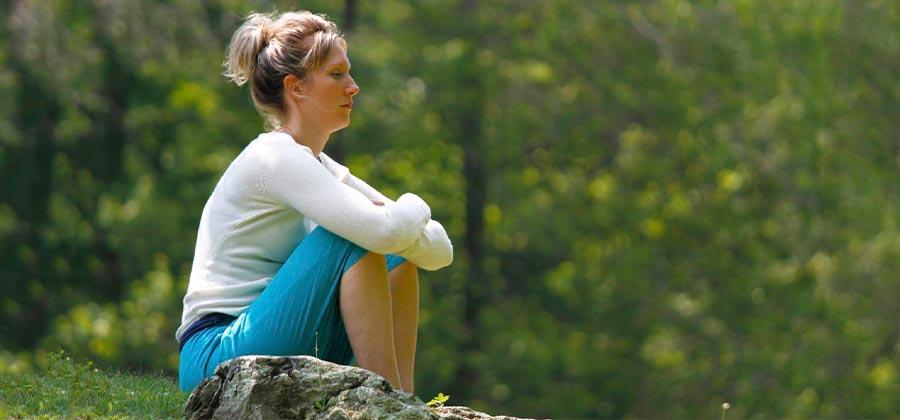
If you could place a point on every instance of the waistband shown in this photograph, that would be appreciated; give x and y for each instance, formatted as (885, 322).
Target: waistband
(209, 320)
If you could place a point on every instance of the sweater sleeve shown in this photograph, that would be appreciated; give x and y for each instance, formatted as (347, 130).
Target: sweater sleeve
(293, 176)
(431, 251)
(367, 189)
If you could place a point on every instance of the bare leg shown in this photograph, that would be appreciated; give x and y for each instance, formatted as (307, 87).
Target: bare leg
(405, 303)
(365, 301)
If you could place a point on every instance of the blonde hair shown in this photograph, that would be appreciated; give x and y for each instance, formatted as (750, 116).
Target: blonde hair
(268, 47)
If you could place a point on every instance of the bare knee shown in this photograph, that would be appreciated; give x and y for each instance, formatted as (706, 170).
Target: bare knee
(405, 276)
(407, 269)
(367, 265)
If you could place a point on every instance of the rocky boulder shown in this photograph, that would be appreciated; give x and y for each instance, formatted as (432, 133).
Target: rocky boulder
(304, 387)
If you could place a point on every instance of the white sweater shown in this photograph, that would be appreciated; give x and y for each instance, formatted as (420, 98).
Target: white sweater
(273, 194)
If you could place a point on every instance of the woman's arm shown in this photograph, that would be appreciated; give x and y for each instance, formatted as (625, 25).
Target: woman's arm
(291, 175)
(431, 251)
(367, 190)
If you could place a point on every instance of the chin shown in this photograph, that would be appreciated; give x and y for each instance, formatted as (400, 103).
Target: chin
(341, 126)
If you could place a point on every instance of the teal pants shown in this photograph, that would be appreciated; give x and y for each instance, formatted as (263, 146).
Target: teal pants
(300, 301)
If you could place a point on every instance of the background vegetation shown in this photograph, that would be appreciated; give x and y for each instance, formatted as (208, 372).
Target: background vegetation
(657, 206)
(76, 389)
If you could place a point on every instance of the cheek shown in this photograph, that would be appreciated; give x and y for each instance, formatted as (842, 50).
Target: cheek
(337, 92)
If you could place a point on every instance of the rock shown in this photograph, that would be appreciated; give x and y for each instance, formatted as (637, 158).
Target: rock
(304, 387)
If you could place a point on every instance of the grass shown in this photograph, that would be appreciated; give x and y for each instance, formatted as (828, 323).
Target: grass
(72, 389)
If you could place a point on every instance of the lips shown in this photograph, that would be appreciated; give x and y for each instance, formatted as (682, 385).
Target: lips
(348, 105)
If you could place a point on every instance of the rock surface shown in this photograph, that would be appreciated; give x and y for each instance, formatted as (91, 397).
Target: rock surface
(304, 387)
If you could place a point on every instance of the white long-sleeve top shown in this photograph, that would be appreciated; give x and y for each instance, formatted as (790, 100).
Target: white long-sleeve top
(273, 194)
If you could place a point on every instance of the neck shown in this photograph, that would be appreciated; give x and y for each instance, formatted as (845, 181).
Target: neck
(308, 135)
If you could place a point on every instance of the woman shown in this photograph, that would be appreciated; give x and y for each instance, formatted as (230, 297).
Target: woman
(294, 254)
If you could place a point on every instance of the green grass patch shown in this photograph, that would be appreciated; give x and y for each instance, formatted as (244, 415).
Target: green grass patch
(66, 388)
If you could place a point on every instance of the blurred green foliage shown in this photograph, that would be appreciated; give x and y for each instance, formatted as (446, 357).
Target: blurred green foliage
(657, 206)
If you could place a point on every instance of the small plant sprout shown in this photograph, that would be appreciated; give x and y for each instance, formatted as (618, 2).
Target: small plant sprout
(725, 407)
(320, 405)
(438, 401)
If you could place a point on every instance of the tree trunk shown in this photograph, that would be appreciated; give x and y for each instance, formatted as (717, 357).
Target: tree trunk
(28, 173)
(470, 114)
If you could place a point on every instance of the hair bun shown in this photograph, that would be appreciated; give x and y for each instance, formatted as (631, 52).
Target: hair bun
(266, 32)
(247, 43)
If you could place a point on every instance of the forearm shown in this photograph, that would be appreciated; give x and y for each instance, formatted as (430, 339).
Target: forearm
(432, 250)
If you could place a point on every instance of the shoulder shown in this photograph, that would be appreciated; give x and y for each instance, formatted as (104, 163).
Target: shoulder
(269, 158)
(275, 149)
(277, 142)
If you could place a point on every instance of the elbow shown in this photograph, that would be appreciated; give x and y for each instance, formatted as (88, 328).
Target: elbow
(441, 260)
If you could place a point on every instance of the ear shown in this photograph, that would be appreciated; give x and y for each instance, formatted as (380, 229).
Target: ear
(293, 85)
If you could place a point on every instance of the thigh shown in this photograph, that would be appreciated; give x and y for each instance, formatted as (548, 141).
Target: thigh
(298, 311)
(194, 362)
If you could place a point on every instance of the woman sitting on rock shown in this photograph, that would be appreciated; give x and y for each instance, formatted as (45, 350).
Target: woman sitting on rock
(294, 254)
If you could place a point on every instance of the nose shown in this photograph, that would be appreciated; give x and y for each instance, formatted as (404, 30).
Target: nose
(353, 89)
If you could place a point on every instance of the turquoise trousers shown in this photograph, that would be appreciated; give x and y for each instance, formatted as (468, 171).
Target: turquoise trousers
(299, 302)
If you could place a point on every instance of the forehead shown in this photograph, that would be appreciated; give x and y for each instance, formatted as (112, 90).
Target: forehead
(337, 56)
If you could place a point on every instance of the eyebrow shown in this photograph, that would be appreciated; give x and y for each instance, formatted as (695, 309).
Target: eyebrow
(339, 64)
